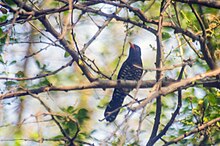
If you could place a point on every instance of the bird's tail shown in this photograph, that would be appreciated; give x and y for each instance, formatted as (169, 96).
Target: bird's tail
(114, 105)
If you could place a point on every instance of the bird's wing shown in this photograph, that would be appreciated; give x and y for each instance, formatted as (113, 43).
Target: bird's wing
(129, 72)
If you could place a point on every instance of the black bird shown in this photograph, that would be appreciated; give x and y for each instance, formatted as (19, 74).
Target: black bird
(128, 71)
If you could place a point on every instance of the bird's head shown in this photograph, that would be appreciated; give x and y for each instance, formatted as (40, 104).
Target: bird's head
(135, 51)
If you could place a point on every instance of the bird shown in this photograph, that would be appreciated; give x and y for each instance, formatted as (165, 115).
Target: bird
(131, 69)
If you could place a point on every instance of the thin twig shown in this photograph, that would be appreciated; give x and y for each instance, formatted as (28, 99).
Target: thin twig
(200, 128)
(176, 112)
(159, 74)
(39, 76)
(204, 48)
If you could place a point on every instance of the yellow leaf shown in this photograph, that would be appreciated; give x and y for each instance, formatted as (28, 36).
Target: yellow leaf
(80, 62)
(200, 102)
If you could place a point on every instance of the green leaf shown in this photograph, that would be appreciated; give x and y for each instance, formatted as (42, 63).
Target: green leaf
(1, 60)
(19, 74)
(70, 110)
(2, 41)
(10, 2)
(2, 34)
(44, 67)
(38, 63)
(44, 82)
(58, 137)
(82, 115)
(82, 135)
(10, 83)
(13, 62)
(165, 35)
(66, 54)
(3, 18)
(71, 127)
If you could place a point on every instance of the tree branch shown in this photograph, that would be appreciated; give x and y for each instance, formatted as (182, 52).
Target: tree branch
(102, 84)
(174, 87)
(159, 74)
(204, 47)
(169, 86)
(207, 3)
(83, 7)
(52, 116)
(200, 128)
(176, 112)
(62, 41)
(39, 76)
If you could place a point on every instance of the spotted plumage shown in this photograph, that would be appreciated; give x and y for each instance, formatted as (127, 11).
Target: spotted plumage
(128, 71)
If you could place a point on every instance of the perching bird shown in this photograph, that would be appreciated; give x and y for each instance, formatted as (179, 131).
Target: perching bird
(128, 71)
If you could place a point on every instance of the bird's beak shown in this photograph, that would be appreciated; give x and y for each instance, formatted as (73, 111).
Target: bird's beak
(131, 45)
